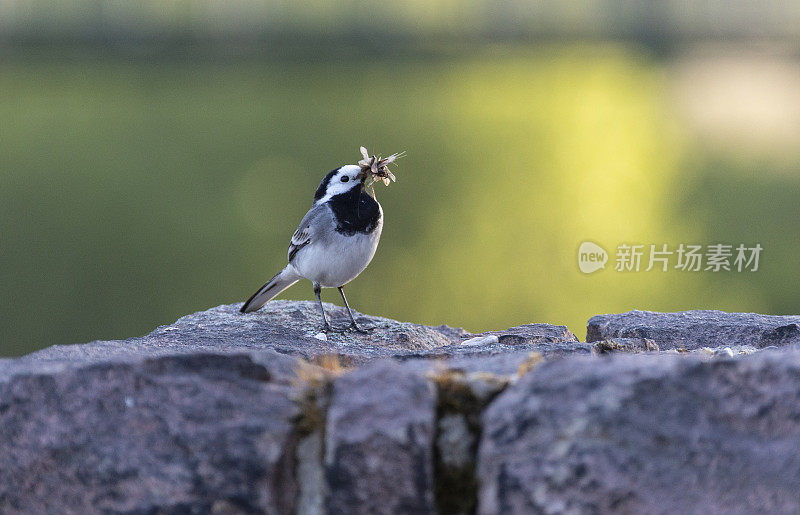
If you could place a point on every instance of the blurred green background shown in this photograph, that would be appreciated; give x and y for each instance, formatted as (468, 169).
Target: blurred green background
(155, 157)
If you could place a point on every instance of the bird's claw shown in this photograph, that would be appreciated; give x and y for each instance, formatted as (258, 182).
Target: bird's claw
(357, 328)
(327, 328)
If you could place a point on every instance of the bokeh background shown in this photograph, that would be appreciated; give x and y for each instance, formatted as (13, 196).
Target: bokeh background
(156, 156)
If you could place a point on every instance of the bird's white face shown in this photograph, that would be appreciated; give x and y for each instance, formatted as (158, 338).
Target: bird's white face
(339, 181)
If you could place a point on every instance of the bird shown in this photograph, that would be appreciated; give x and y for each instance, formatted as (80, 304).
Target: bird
(336, 239)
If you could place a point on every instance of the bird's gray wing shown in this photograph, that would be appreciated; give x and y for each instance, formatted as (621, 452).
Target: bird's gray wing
(310, 228)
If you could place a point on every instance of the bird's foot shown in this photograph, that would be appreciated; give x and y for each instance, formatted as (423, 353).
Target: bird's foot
(326, 328)
(357, 328)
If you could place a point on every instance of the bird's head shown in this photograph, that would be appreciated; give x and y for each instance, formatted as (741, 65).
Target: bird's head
(352, 177)
(341, 180)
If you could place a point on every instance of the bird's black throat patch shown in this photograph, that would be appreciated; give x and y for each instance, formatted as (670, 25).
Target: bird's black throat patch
(355, 212)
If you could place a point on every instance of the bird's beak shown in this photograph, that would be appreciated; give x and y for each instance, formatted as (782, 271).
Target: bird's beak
(362, 174)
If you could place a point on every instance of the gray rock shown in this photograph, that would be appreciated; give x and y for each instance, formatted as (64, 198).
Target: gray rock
(646, 434)
(694, 329)
(379, 441)
(191, 433)
(549, 340)
(627, 345)
(227, 413)
(289, 328)
(205, 414)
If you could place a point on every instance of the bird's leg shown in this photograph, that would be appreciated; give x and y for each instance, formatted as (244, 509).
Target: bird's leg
(353, 324)
(325, 325)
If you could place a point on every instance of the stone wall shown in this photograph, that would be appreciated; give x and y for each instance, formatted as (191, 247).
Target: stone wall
(229, 413)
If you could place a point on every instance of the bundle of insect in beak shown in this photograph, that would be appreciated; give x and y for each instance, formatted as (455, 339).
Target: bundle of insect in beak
(378, 167)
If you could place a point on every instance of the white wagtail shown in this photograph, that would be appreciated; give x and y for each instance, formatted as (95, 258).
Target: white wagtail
(337, 238)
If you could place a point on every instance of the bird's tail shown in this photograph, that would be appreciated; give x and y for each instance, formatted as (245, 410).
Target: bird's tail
(269, 291)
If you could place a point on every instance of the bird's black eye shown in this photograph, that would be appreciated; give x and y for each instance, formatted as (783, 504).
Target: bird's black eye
(345, 178)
